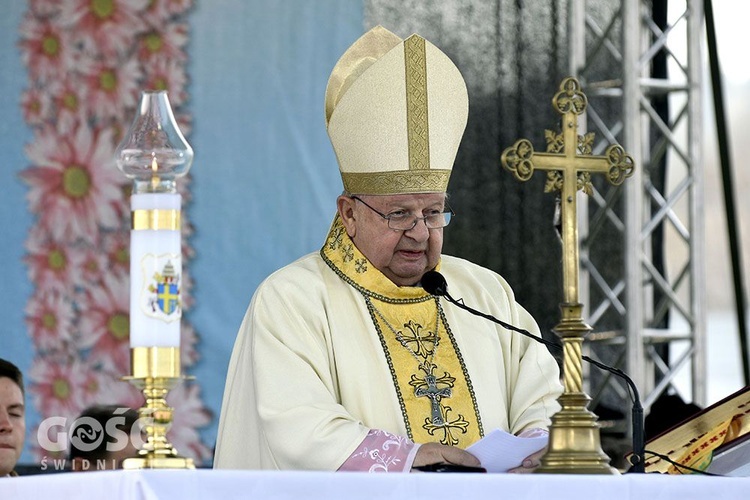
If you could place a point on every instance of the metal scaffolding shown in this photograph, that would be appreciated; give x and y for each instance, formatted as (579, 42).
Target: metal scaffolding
(640, 66)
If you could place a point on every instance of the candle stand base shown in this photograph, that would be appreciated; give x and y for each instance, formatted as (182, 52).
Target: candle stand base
(156, 370)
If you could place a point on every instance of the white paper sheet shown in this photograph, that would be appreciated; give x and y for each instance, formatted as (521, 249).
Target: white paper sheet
(500, 451)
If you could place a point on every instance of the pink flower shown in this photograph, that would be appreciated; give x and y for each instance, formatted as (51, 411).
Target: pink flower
(169, 75)
(49, 317)
(176, 7)
(187, 230)
(104, 387)
(74, 183)
(188, 341)
(186, 296)
(106, 26)
(93, 265)
(189, 416)
(52, 266)
(105, 328)
(188, 252)
(36, 106)
(116, 246)
(57, 386)
(46, 48)
(45, 8)
(156, 14)
(163, 41)
(112, 87)
(69, 96)
(183, 186)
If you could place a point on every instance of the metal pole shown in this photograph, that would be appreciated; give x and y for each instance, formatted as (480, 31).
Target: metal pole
(728, 184)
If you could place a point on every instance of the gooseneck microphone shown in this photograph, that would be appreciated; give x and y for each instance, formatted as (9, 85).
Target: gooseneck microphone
(434, 283)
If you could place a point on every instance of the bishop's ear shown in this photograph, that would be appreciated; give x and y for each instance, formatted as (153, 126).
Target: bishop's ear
(346, 206)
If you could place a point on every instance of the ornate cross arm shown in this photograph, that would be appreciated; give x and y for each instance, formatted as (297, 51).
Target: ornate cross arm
(519, 160)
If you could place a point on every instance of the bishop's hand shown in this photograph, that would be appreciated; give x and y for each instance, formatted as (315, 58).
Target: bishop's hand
(435, 453)
(530, 463)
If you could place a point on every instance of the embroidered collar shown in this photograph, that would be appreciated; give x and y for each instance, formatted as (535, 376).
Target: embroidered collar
(341, 255)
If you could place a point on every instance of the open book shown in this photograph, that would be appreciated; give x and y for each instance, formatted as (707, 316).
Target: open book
(716, 439)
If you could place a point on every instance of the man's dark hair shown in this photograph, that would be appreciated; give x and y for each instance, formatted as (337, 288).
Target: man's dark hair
(11, 371)
(83, 430)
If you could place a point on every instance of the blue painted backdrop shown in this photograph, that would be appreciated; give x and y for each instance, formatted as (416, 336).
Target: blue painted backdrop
(264, 177)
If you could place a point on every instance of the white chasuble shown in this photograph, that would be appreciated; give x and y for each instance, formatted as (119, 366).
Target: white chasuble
(330, 348)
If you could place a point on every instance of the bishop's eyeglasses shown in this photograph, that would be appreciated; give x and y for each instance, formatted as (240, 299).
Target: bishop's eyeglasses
(401, 220)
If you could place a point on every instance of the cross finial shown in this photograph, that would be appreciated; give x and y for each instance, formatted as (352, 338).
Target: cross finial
(569, 165)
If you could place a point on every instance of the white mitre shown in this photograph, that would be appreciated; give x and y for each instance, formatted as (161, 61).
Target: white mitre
(396, 111)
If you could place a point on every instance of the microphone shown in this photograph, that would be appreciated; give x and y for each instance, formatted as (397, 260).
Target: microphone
(434, 283)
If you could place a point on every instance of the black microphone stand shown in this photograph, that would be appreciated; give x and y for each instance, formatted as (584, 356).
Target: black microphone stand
(639, 442)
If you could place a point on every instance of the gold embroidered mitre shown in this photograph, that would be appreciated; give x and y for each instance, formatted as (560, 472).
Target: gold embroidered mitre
(395, 111)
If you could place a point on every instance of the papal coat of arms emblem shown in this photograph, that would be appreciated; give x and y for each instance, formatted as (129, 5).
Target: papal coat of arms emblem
(163, 294)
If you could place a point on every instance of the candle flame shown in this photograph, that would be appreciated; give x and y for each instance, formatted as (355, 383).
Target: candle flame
(155, 177)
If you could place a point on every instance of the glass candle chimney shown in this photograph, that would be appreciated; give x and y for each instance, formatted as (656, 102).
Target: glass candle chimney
(154, 152)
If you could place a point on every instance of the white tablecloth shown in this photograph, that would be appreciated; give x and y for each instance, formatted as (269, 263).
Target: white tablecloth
(266, 485)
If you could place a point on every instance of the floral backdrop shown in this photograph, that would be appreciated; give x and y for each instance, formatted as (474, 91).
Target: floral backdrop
(87, 61)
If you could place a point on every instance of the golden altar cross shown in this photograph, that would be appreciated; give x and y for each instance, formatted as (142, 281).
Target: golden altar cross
(574, 444)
